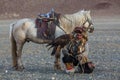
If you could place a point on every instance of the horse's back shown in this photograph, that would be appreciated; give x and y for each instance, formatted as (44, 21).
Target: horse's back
(24, 21)
(23, 24)
(20, 27)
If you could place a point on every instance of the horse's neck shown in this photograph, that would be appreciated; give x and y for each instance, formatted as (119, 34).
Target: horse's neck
(69, 22)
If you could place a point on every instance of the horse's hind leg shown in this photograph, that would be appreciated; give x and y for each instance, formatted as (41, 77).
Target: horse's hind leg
(19, 54)
(57, 58)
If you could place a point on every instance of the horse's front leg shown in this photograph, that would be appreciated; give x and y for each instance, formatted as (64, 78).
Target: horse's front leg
(19, 54)
(57, 58)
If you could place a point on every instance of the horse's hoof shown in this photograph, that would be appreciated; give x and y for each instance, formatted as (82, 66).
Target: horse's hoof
(18, 68)
(15, 67)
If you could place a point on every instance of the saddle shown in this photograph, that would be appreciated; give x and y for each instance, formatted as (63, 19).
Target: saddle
(45, 26)
(47, 16)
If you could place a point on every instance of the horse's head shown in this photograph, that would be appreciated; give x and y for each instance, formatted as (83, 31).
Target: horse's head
(88, 24)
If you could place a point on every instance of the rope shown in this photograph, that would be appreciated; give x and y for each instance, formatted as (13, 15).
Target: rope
(67, 19)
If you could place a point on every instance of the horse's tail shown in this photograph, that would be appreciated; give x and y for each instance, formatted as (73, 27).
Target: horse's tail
(13, 45)
(11, 30)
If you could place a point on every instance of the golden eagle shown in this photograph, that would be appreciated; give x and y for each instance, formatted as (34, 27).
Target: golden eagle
(60, 42)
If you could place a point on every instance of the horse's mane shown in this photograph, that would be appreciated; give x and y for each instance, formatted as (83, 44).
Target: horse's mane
(78, 12)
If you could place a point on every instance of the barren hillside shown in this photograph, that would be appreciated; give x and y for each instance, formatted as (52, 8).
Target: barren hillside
(30, 8)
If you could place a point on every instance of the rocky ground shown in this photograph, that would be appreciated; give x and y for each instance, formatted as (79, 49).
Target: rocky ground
(104, 51)
(104, 43)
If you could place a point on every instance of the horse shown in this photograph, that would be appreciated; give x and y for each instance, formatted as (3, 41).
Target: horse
(24, 30)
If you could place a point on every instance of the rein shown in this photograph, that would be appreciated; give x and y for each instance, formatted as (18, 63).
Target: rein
(67, 19)
(60, 28)
(58, 24)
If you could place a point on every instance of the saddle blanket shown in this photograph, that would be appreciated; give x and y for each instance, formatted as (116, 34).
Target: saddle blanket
(45, 29)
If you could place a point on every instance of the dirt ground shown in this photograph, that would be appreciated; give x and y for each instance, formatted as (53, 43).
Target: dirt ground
(104, 43)
(104, 51)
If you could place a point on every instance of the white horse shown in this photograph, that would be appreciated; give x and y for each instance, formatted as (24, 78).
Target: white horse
(24, 30)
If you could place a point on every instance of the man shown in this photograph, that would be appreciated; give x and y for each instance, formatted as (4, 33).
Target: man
(73, 54)
(73, 48)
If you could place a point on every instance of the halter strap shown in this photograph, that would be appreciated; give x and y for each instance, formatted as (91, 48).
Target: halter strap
(87, 20)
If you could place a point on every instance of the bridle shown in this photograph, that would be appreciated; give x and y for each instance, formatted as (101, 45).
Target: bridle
(56, 17)
(90, 24)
